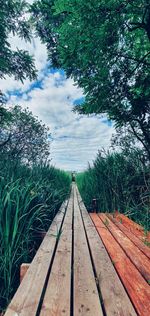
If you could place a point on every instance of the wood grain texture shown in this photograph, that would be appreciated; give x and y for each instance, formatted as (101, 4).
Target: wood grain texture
(86, 298)
(136, 256)
(23, 270)
(86, 262)
(135, 228)
(139, 243)
(27, 297)
(137, 288)
(114, 296)
(57, 297)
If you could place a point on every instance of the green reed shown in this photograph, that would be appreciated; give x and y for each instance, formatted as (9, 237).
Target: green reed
(29, 200)
(118, 183)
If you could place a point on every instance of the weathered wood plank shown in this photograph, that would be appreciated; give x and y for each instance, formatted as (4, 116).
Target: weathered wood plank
(27, 297)
(136, 256)
(23, 270)
(137, 288)
(57, 297)
(135, 228)
(114, 296)
(140, 244)
(86, 298)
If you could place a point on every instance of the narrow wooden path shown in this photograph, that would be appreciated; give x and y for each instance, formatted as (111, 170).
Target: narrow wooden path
(86, 265)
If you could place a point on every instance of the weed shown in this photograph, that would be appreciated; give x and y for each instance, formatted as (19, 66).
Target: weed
(106, 222)
(147, 243)
(113, 262)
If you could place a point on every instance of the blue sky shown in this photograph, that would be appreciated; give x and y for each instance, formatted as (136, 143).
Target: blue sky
(75, 138)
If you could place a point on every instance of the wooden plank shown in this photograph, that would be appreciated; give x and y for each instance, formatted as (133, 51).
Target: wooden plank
(136, 256)
(27, 297)
(86, 297)
(114, 296)
(140, 244)
(23, 270)
(137, 288)
(135, 228)
(57, 297)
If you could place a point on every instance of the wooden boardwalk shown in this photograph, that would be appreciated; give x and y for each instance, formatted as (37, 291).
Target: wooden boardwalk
(93, 265)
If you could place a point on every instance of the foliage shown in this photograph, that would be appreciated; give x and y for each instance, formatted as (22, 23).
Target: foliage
(119, 182)
(23, 137)
(14, 21)
(29, 200)
(105, 46)
(31, 192)
(124, 139)
(87, 184)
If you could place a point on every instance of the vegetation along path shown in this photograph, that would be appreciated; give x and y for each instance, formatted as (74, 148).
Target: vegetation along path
(87, 264)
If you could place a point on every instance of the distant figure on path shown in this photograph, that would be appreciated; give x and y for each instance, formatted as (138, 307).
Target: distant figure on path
(73, 177)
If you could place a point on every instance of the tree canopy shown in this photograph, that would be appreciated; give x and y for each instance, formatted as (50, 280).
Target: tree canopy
(14, 20)
(104, 45)
(23, 138)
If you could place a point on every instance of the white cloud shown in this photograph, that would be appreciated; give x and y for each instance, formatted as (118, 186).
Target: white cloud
(35, 48)
(76, 139)
(30, 1)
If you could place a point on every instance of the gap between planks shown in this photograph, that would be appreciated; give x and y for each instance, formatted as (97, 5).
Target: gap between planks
(86, 296)
(136, 287)
(114, 297)
(137, 257)
(133, 227)
(137, 241)
(26, 300)
(57, 296)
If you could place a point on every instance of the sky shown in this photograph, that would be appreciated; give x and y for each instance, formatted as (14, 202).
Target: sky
(76, 139)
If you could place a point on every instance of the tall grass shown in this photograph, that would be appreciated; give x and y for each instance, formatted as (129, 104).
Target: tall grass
(118, 183)
(29, 200)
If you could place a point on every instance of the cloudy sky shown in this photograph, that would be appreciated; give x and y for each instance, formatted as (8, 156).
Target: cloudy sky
(75, 139)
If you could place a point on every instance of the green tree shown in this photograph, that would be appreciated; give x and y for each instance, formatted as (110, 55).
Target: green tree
(23, 138)
(105, 46)
(14, 21)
